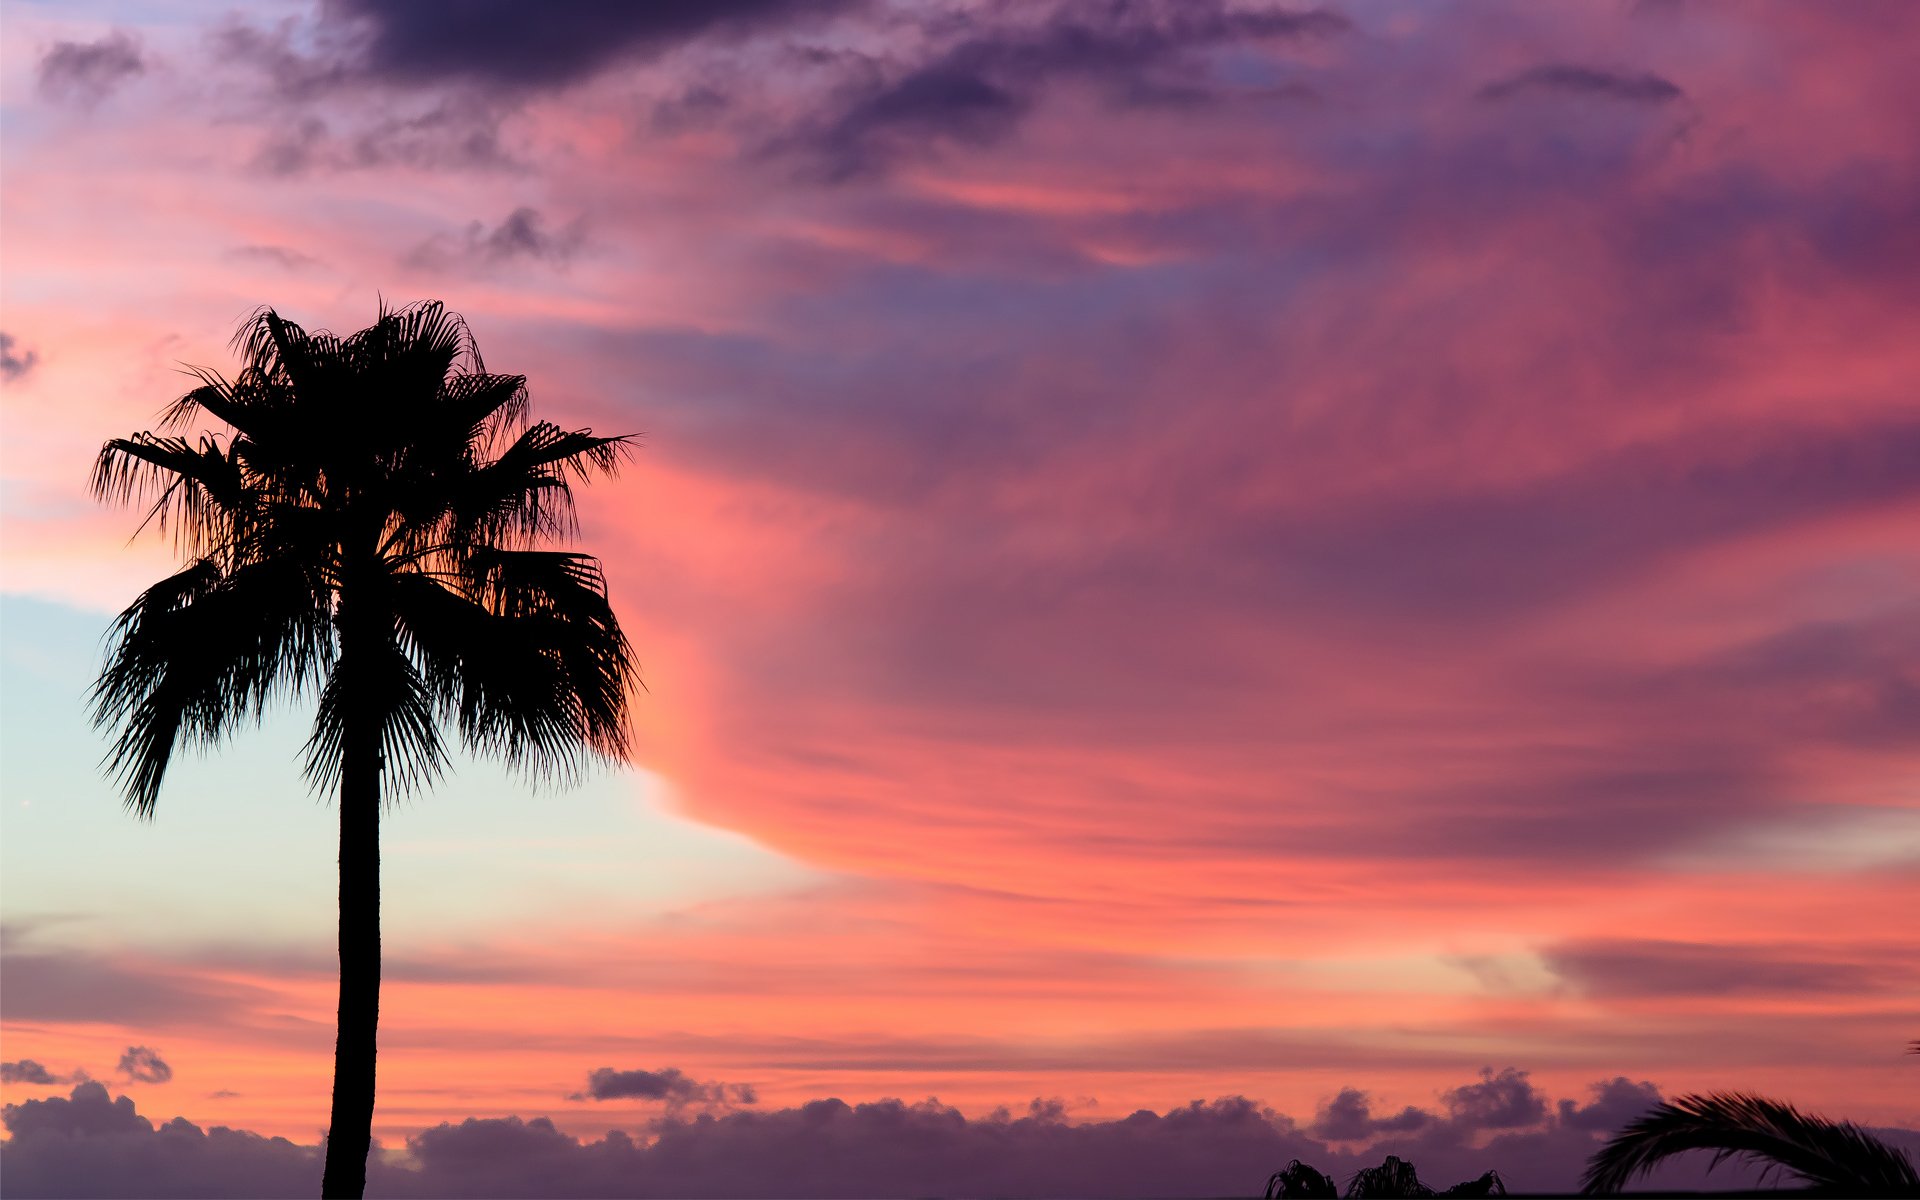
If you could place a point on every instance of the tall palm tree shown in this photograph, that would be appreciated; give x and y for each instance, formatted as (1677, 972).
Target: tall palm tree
(371, 530)
(1833, 1158)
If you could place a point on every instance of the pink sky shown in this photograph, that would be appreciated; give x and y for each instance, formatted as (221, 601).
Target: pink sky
(1181, 550)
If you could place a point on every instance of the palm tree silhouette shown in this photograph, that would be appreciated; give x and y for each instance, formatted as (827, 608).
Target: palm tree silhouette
(1833, 1158)
(370, 532)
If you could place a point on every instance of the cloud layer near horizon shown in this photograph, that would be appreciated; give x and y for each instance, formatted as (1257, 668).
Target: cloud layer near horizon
(91, 1144)
(1229, 538)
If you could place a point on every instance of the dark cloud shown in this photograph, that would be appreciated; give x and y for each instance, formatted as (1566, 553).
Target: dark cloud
(29, 1071)
(143, 1064)
(87, 72)
(94, 1145)
(523, 234)
(293, 148)
(91, 1144)
(976, 89)
(691, 108)
(1568, 79)
(302, 72)
(15, 365)
(1348, 1117)
(1615, 1102)
(669, 1085)
(1650, 967)
(554, 43)
(454, 134)
(1507, 1100)
(461, 134)
(290, 74)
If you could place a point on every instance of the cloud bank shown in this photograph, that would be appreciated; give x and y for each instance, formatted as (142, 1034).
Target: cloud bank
(92, 1144)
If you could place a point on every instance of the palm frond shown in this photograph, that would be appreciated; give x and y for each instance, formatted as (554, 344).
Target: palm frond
(1297, 1179)
(376, 684)
(1395, 1177)
(526, 493)
(526, 658)
(200, 651)
(482, 406)
(1825, 1154)
(197, 489)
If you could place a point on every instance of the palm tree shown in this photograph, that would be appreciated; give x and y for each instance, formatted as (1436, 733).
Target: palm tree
(370, 531)
(1836, 1158)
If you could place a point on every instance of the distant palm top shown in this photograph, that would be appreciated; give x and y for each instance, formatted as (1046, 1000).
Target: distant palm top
(370, 530)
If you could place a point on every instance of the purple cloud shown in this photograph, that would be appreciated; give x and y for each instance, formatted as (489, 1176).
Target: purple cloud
(557, 43)
(88, 72)
(669, 1085)
(91, 1144)
(1615, 1103)
(142, 1064)
(1507, 1100)
(15, 365)
(1569, 79)
(976, 89)
(1650, 967)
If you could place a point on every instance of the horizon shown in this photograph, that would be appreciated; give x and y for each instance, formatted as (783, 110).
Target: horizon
(1323, 555)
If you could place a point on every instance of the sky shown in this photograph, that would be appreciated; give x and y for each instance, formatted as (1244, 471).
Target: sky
(1345, 576)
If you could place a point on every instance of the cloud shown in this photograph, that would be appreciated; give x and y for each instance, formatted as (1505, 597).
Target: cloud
(284, 257)
(1348, 1117)
(144, 1065)
(1507, 1100)
(523, 234)
(1567, 79)
(461, 135)
(560, 42)
(979, 87)
(290, 74)
(86, 73)
(79, 986)
(1615, 1102)
(29, 1071)
(91, 1144)
(1649, 967)
(15, 365)
(670, 1085)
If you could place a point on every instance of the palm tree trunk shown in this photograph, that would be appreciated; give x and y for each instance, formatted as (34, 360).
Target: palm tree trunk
(350, 1134)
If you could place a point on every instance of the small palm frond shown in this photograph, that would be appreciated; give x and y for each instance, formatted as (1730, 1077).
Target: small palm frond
(1830, 1155)
(1489, 1184)
(526, 493)
(480, 407)
(194, 486)
(1393, 1178)
(1299, 1179)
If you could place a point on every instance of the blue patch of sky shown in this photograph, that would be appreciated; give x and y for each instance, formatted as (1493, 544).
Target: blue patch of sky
(242, 848)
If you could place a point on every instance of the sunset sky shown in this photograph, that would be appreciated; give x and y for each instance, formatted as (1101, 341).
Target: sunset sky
(1180, 550)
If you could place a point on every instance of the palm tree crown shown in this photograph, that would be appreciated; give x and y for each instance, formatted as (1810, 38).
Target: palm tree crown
(367, 530)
